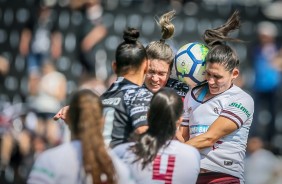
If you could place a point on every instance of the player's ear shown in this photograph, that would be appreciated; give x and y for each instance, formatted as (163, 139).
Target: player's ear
(114, 66)
(146, 65)
(235, 73)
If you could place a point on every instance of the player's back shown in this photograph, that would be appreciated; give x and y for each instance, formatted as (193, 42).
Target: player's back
(125, 109)
(175, 164)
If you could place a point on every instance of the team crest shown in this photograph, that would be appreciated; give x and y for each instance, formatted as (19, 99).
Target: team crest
(217, 110)
(190, 110)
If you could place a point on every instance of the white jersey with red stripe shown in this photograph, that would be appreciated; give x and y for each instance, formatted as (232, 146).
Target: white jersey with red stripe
(227, 155)
(175, 164)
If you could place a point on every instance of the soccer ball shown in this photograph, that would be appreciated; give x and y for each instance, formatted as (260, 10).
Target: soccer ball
(190, 64)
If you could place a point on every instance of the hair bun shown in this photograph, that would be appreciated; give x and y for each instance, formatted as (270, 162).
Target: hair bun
(130, 35)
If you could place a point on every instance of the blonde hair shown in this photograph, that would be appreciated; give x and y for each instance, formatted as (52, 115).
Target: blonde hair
(167, 28)
(159, 49)
(86, 123)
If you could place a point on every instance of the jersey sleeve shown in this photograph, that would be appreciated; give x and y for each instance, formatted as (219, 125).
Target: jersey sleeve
(239, 110)
(180, 87)
(138, 105)
(186, 114)
(42, 171)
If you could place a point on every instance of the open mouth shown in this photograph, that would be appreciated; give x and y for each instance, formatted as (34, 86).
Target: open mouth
(154, 84)
(213, 87)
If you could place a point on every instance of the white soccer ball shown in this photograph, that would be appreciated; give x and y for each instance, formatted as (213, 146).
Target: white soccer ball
(190, 64)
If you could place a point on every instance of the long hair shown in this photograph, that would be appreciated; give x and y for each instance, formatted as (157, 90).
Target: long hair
(130, 54)
(159, 49)
(215, 39)
(165, 109)
(86, 123)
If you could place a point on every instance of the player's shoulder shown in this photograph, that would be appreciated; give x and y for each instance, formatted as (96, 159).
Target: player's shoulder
(237, 93)
(140, 93)
(62, 150)
(185, 149)
(122, 149)
(123, 172)
(125, 88)
(52, 158)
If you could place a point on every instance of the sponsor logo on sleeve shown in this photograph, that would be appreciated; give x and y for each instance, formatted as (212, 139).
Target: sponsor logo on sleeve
(138, 110)
(111, 101)
(140, 119)
(241, 107)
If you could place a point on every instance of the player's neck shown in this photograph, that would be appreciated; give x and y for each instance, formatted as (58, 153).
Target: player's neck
(136, 78)
(204, 94)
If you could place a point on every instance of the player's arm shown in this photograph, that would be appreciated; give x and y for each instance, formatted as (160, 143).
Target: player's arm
(220, 128)
(178, 135)
(138, 109)
(185, 132)
(141, 129)
(184, 127)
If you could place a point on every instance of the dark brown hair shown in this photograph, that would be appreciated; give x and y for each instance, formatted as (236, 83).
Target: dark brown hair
(166, 108)
(130, 54)
(219, 51)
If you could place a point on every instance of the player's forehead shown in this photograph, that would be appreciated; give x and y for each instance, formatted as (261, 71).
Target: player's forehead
(216, 68)
(158, 65)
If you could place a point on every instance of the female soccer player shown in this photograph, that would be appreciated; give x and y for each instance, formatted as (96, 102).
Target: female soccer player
(218, 114)
(126, 101)
(86, 157)
(161, 57)
(156, 157)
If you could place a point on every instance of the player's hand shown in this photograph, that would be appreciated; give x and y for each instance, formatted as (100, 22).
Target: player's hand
(61, 114)
(178, 136)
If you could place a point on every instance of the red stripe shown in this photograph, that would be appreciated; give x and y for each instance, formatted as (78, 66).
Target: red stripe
(217, 178)
(185, 120)
(231, 120)
(232, 114)
(166, 177)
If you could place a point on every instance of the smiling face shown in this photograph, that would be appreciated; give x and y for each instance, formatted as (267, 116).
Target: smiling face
(219, 79)
(157, 75)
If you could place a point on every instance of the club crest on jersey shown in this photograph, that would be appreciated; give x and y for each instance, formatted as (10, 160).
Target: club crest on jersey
(217, 110)
(189, 110)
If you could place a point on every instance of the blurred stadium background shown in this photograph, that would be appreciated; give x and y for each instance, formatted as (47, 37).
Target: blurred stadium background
(192, 18)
